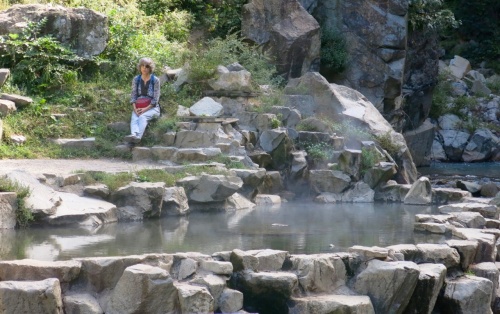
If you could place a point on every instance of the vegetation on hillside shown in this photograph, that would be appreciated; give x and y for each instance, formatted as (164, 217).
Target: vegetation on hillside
(76, 97)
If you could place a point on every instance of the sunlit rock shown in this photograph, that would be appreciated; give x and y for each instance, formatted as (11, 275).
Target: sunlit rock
(466, 294)
(138, 286)
(323, 304)
(430, 282)
(389, 285)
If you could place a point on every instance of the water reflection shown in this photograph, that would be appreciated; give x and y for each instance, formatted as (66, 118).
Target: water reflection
(295, 227)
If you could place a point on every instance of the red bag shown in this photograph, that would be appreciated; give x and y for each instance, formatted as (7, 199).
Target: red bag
(142, 102)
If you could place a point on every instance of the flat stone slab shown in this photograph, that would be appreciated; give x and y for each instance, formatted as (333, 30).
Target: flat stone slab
(79, 210)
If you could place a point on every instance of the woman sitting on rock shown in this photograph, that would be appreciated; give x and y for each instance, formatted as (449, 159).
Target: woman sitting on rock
(144, 99)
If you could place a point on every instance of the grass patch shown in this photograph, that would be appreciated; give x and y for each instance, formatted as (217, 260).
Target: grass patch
(369, 158)
(385, 141)
(24, 216)
(229, 162)
(441, 96)
(318, 152)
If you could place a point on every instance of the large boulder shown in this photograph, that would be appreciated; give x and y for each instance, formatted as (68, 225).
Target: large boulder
(286, 30)
(389, 285)
(139, 200)
(8, 208)
(31, 296)
(85, 30)
(84, 211)
(210, 188)
(42, 200)
(143, 289)
(430, 282)
(342, 104)
(467, 294)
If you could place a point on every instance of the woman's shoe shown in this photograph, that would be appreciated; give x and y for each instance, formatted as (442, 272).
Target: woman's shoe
(132, 139)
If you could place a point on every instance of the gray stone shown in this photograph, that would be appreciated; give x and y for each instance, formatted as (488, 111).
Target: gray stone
(81, 303)
(76, 143)
(430, 282)
(85, 30)
(459, 67)
(490, 272)
(242, 260)
(143, 289)
(4, 75)
(206, 107)
(486, 210)
(31, 296)
(8, 208)
(194, 299)
(26, 270)
(360, 192)
(420, 193)
(7, 107)
(175, 202)
(467, 294)
(389, 285)
(141, 153)
(218, 267)
(285, 29)
(454, 143)
(466, 249)
(226, 80)
(438, 254)
(139, 200)
(20, 101)
(486, 248)
(325, 304)
(331, 181)
(97, 190)
(42, 200)
(210, 188)
(319, 273)
(267, 199)
(83, 211)
(230, 301)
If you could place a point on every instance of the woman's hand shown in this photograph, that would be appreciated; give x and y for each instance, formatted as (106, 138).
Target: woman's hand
(139, 111)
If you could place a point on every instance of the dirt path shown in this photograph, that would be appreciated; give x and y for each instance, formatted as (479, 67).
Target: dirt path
(67, 166)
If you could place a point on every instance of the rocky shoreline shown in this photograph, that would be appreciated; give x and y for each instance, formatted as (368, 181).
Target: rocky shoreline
(459, 275)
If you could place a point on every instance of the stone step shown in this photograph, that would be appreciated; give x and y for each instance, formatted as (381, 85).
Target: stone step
(330, 303)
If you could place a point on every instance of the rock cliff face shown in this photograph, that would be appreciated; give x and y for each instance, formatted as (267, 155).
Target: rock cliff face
(376, 35)
(287, 31)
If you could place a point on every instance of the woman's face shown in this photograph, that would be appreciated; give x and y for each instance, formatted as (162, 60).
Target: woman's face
(145, 69)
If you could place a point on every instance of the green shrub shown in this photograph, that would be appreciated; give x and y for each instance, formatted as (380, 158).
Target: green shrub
(350, 131)
(334, 55)
(24, 216)
(203, 60)
(369, 158)
(430, 14)
(494, 84)
(318, 152)
(463, 104)
(303, 125)
(39, 64)
(441, 97)
(229, 162)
